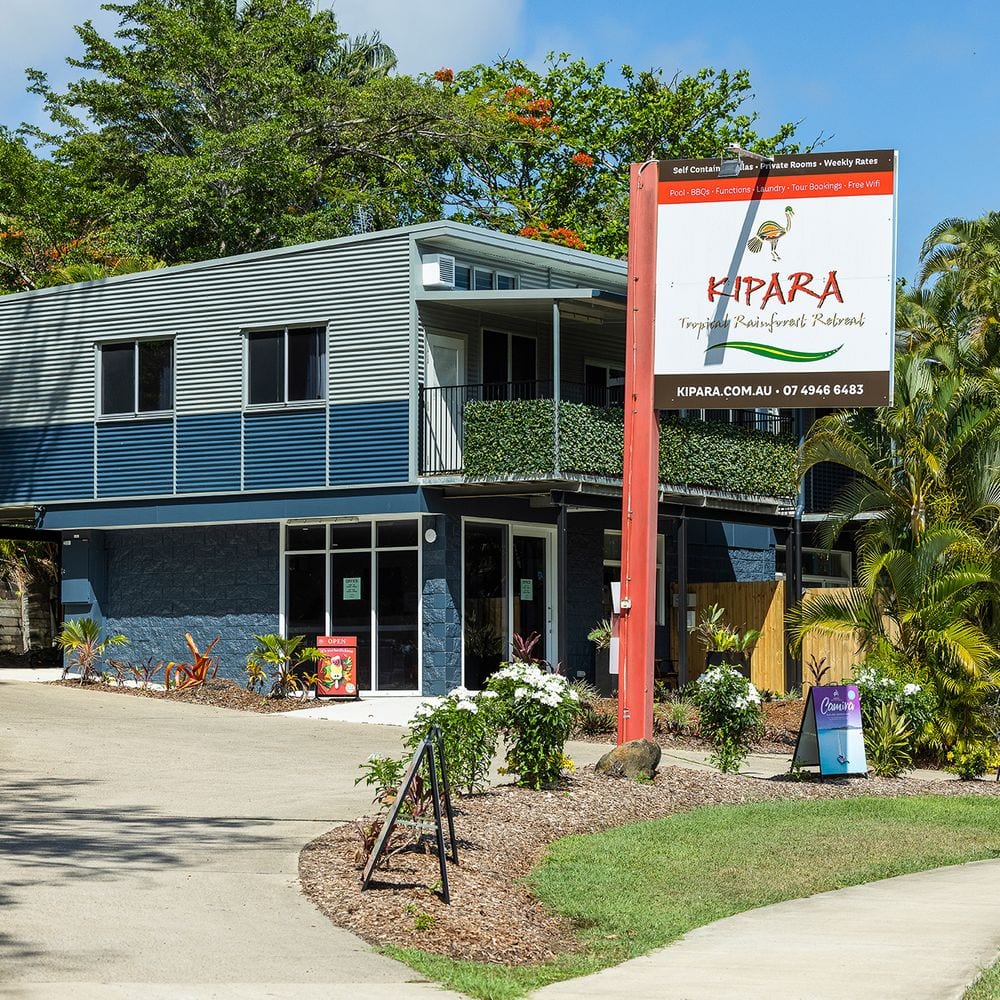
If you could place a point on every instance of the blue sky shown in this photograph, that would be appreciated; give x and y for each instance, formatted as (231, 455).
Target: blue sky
(920, 77)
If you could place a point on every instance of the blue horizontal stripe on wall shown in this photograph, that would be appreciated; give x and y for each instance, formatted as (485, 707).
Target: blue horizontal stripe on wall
(47, 463)
(370, 442)
(284, 448)
(135, 458)
(208, 453)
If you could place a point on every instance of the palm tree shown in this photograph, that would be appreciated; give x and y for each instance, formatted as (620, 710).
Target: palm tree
(27, 567)
(362, 59)
(81, 640)
(923, 606)
(968, 250)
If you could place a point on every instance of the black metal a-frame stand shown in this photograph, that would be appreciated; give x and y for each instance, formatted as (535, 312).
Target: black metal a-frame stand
(432, 748)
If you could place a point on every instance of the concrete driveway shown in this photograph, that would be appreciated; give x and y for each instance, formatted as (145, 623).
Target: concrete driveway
(150, 849)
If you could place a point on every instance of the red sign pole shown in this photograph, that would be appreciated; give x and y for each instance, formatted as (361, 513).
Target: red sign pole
(640, 480)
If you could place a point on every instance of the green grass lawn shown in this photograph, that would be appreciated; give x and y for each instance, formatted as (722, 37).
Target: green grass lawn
(638, 887)
(987, 986)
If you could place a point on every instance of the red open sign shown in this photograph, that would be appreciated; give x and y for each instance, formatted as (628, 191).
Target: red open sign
(337, 674)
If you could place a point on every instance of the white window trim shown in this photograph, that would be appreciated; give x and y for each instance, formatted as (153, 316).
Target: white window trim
(287, 404)
(284, 552)
(136, 413)
(661, 576)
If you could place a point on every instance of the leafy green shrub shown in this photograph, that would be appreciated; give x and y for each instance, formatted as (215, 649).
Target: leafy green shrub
(536, 711)
(730, 715)
(680, 715)
(970, 759)
(81, 640)
(283, 661)
(914, 702)
(888, 739)
(596, 721)
(469, 730)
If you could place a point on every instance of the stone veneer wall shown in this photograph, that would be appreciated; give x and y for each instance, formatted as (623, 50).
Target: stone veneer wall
(442, 603)
(211, 580)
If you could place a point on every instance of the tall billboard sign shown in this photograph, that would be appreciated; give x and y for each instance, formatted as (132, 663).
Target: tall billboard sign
(775, 288)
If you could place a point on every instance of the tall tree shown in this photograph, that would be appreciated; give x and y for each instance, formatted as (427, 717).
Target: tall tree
(560, 170)
(211, 127)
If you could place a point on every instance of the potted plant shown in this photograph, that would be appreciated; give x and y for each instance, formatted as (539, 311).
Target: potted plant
(722, 642)
(600, 636)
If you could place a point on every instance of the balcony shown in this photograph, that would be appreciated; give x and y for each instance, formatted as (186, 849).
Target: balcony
(508, 431)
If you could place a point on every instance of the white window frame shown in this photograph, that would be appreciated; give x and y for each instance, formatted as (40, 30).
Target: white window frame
(135, 413)
(534, 530)
(286, 403)
(815, 580)
(493, 272)
(327, 552)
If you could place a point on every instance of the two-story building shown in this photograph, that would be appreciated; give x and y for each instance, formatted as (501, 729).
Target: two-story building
(412, 436)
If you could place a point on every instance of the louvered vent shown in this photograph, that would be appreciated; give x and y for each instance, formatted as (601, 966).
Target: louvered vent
(439, 270)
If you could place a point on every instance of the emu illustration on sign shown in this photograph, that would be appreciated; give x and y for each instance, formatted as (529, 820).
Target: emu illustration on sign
(771, 232)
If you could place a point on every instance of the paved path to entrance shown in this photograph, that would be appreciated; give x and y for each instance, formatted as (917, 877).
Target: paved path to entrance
(150, 850)
(916, 937)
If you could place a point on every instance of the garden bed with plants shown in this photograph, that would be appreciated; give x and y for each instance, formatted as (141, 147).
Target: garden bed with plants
(503, 834)
(516, 918)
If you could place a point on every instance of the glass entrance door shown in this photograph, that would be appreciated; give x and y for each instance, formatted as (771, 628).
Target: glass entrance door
(509, 588)
(530, 604)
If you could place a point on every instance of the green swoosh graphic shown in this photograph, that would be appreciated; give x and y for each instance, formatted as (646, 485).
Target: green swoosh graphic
(769, 351)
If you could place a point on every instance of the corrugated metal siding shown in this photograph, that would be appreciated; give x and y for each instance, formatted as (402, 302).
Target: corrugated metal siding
(135, 458)
(47, 364)
(208, 453)
(369, 443)
(594, 343)
(47, 463)
(284, 449)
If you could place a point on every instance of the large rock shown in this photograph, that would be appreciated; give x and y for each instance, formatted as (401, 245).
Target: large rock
(630, 760)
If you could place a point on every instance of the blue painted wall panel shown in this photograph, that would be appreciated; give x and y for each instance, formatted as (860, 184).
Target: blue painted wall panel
(214, 580)
(135, 459)
(47, 463)
(208, 453)
(284, 449)
(369, 442)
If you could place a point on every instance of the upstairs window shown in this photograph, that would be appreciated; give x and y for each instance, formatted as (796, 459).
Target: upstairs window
(137, 377)
(480, 279)
(286, 366)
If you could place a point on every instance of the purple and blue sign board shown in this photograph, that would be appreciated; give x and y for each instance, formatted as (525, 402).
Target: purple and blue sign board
(831, 734)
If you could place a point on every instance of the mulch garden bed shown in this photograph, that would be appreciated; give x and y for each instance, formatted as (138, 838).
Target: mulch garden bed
(217, 693)
(503, 834)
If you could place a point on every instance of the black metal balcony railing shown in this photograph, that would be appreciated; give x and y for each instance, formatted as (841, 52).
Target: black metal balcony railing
(442, 415)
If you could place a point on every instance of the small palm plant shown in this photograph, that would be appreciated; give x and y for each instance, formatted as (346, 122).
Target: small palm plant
(81, 640)
(283, 660)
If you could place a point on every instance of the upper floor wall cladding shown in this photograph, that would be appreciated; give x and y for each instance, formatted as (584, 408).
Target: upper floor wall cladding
(291, 369)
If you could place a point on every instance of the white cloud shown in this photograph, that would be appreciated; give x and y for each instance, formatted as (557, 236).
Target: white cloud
(427, 36)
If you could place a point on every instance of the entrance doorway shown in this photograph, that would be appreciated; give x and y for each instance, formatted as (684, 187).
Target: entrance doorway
(509, 589)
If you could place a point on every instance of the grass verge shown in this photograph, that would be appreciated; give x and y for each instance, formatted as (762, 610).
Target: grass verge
(638, 887)
(987, 986)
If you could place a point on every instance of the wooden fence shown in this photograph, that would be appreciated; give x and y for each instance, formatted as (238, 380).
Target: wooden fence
(761, 605)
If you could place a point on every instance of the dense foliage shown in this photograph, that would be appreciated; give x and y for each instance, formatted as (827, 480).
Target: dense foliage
(204, 128)
(517, 438)
(925, 498)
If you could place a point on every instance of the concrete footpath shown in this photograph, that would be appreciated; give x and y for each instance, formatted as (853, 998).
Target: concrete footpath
(148, 851)
(916, 937)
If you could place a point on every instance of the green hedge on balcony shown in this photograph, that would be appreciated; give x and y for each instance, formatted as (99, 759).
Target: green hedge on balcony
(515, 438)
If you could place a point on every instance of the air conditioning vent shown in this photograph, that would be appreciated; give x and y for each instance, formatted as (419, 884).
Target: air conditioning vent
(439, 270)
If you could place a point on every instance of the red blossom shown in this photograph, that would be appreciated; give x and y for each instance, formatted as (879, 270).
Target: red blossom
(581, 160)
(444, 75)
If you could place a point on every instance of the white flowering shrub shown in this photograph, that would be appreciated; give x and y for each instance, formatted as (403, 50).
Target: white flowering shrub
(730, 715)
(536, 711)
(913, 702)
(469, 728)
